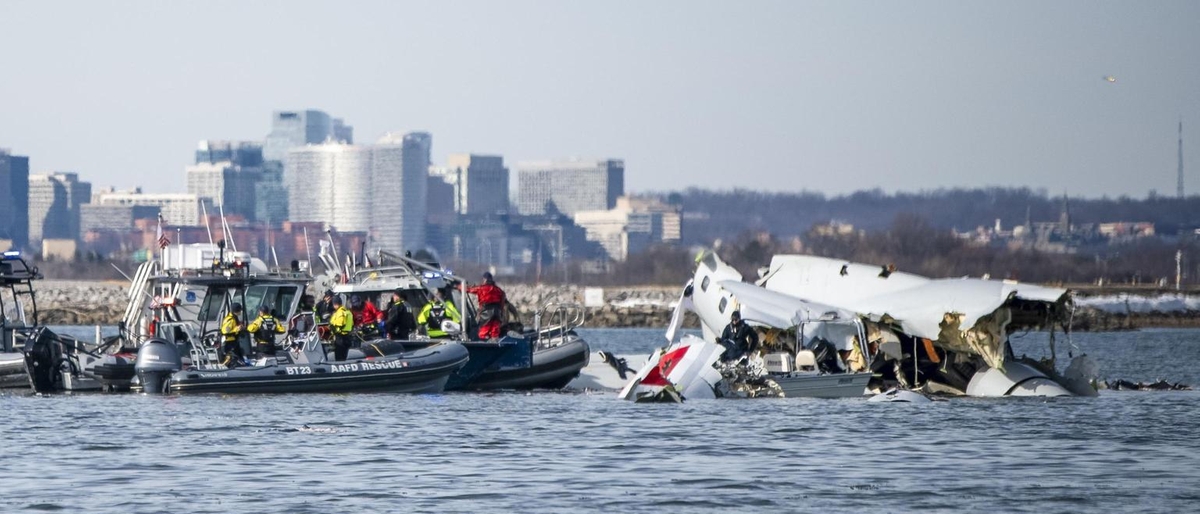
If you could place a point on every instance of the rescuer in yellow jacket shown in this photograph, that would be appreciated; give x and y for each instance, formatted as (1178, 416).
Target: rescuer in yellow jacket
(342, 324)
(264, 328)
(435, 312)
(231, 331)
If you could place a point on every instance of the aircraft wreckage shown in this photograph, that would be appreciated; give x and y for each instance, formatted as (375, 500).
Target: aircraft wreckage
(832, 328)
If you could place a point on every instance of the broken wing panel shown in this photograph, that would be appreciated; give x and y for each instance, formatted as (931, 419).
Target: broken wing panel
(780, 310)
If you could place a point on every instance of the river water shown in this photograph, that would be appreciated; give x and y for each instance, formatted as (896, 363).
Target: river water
(567, 452)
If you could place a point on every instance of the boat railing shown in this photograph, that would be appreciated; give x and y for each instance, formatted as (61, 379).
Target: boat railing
(366, 274)
(560, 318)
(304, 338)
(201, 348)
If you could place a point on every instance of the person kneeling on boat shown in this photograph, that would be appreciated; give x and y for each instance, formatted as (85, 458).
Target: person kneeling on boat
(342, 324)
(435, 312)
(737, 338)
(264, 328)
(231, 331)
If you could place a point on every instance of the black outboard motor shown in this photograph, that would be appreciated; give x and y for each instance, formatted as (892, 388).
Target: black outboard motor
(156, 361)
(826, 356)
(44, 361)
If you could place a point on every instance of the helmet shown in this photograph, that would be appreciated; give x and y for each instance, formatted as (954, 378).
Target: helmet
(236, 307)
(264, 308)
(328, 293)
(487, 276)
(355, 301)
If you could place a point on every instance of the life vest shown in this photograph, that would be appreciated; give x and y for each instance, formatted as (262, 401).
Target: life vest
(437, 312)
(266, 329)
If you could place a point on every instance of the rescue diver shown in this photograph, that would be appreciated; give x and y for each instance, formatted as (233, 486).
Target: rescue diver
(231, 331)
(342, 324)
(264, 328)
(433, 313)
(737, 338)
(491, 306)
(399, 322)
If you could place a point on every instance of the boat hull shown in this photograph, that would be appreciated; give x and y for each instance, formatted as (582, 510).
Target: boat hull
(12, 370)
(840, 385)
(552, 368)
(422, 371)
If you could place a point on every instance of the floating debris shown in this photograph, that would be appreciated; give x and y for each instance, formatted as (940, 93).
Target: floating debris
(1161, 385)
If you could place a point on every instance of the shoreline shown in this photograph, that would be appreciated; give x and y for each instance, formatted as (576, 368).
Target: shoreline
(71, 302)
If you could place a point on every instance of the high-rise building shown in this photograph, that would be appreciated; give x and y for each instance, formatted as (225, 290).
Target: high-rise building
(14, 198)
(178, 209)
(269, 203)
(570, 186)
(480, 183)
(291, 129)
(330, 183)
(54, 206)
(226, 186)
(239, 153)
(95, 217)
(632, 226)
(400, 173)
(379, 189)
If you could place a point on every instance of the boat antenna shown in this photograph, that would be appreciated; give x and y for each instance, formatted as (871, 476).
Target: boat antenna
(207, 225)
(274, 256)
(332, 243)
(308, 251)
(225, 229)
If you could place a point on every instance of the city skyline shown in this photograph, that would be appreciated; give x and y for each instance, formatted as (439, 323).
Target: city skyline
(783, 96)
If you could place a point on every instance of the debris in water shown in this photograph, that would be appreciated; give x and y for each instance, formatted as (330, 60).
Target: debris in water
(1161, 385)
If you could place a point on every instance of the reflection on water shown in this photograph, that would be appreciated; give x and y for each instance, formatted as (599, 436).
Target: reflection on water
(556, 452)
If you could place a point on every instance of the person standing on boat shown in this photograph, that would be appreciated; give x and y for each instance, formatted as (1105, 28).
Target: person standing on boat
(264, 328)
(231, 331)
(491, 306)
(435, 312)
(399, 323)
(325, 307)
(737, 338)
(342, 324)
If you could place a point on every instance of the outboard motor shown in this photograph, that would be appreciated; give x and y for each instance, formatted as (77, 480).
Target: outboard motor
(44, 361)
(826, 356)
(156, 361)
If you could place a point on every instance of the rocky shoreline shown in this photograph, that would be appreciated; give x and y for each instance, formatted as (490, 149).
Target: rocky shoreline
(103, 303)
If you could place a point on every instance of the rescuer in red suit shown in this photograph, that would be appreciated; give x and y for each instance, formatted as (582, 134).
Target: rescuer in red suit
(491, 306)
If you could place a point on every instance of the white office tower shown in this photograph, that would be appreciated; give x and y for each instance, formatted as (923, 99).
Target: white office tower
(377, 189)
(332, 184)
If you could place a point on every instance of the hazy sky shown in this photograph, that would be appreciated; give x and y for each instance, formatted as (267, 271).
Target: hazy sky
(827, 96)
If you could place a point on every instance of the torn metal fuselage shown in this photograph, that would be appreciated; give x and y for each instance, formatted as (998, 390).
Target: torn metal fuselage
(943, 335)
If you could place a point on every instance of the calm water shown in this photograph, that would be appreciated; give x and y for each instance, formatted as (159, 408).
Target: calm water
(559, 452)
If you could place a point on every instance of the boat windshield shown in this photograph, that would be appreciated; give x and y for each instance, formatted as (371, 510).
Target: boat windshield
(279, 297)
(213, 304)
(13, 314)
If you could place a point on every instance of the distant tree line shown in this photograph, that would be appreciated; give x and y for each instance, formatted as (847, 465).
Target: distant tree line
(913, 244)
(712, 215)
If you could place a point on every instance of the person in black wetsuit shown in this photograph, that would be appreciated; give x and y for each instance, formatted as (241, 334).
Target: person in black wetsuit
(737, 338)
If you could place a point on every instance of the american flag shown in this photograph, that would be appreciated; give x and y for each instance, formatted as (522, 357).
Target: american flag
(163, 241)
